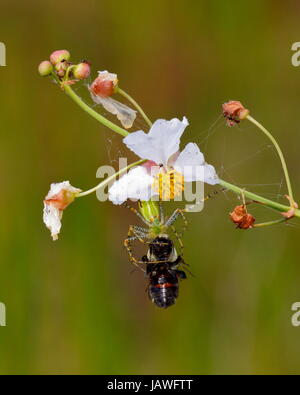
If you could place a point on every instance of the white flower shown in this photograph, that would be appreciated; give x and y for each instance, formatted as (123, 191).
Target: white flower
(58, 198)
(134, 185)
(102, 88)
(161, 146)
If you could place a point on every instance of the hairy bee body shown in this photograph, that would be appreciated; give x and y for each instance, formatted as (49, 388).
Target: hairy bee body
(162, 270)
(163, 286)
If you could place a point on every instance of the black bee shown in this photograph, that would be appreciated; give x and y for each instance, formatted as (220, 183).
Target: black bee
(162, 270)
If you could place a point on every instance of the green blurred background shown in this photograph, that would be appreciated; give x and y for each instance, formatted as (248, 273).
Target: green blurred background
(74, 306)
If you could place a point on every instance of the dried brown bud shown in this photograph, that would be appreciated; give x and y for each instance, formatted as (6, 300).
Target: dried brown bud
(234, 112)
(241, 218)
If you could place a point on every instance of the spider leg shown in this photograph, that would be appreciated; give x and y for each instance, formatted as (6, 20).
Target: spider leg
(178, 238)
(127, 244)
(213, 194)
(139, 229)
(177, 213)
(140, 233)
(185, 265)
(134, 210)
(161, 212)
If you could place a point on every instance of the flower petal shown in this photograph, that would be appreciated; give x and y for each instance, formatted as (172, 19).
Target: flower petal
(107, 76)
(209, 175)
(55, 188)
(136, 184)
(52, 219)
(192, 165)
(160, 143)
(188, 161)
(124, 114)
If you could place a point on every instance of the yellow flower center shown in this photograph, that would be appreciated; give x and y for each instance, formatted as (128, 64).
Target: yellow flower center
(168, 185)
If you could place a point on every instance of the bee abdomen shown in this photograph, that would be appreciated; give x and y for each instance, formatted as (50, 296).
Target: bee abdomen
(163, 292)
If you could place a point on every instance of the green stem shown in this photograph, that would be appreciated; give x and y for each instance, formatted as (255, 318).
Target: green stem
(135, 104)
(69, 91)
(283, 163)
(69, 69)
(278, 221)
(267, 202)
(111, 178)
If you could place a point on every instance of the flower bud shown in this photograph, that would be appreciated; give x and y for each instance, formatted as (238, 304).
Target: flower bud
(234, 112)
(61, 68)
(82, 70)
(241, 218)
(104, 85)
(45, 68)
(59, 56)
(291, 213)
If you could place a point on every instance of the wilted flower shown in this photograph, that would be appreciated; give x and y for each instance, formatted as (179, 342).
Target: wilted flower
(242, 218)
(102, 88)
(165, 175)
(58, 198)
(234, 112)
(104, 85)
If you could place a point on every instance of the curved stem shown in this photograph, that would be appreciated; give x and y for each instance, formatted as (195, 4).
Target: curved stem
(109, 179)
(135, 104)
(283, 163)
(263, 224)
(267, 202)
(69, 91)
(69, 69)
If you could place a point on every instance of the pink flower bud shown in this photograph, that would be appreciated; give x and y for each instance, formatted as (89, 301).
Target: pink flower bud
(59, 56)
(82, 71)
(45, 68)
